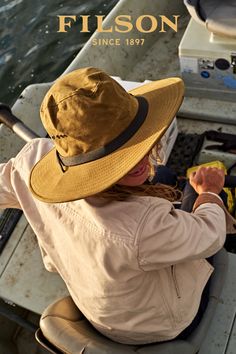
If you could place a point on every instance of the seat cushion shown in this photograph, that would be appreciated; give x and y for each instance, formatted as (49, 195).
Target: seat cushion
(220, 16)
(67, 329)
(63, 325)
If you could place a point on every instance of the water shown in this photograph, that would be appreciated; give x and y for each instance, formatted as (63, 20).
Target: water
(31, 50)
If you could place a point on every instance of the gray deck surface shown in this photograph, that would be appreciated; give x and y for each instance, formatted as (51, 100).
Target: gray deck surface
(221, 337)
(158, 60)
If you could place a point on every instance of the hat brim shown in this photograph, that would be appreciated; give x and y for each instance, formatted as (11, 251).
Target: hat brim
(50, 184)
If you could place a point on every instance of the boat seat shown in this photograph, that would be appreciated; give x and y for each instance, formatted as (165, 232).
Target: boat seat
(64, 329)
(218, 16)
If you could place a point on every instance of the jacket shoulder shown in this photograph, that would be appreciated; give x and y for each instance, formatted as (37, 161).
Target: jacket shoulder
(31, 153)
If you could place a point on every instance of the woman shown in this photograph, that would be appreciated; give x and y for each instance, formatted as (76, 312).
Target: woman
(133, 264)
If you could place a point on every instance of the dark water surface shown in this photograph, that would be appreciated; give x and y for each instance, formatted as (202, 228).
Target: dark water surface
(31, 50)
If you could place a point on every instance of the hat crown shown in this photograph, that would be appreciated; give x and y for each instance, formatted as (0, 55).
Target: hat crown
(85, 110)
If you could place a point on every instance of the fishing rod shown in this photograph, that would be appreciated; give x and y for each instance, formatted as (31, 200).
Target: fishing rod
(15, 124)
(24, 132)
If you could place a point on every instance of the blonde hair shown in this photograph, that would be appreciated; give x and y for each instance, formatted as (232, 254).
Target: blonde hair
(121, 192)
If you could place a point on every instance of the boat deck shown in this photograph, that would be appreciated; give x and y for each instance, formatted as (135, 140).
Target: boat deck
(23, 279)
(221, 337)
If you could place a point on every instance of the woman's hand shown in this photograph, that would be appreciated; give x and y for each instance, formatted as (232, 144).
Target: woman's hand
(207, 179)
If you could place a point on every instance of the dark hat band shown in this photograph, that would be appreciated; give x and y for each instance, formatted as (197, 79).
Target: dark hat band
(113, 145)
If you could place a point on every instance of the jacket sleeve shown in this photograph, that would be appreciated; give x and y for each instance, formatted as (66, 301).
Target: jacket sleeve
(14, 173)
(7, 195)
(168, 236)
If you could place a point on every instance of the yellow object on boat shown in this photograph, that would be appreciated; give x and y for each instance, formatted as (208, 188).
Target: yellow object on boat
(220, 165)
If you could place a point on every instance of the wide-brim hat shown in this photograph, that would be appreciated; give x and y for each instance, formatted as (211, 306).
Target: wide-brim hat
(100, 132)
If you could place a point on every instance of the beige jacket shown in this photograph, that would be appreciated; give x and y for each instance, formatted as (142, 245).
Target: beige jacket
(136, 269)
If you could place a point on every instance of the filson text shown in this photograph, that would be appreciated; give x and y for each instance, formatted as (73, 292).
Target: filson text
(122, 23)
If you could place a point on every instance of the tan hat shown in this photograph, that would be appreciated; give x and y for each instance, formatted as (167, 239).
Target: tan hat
(100, 132)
